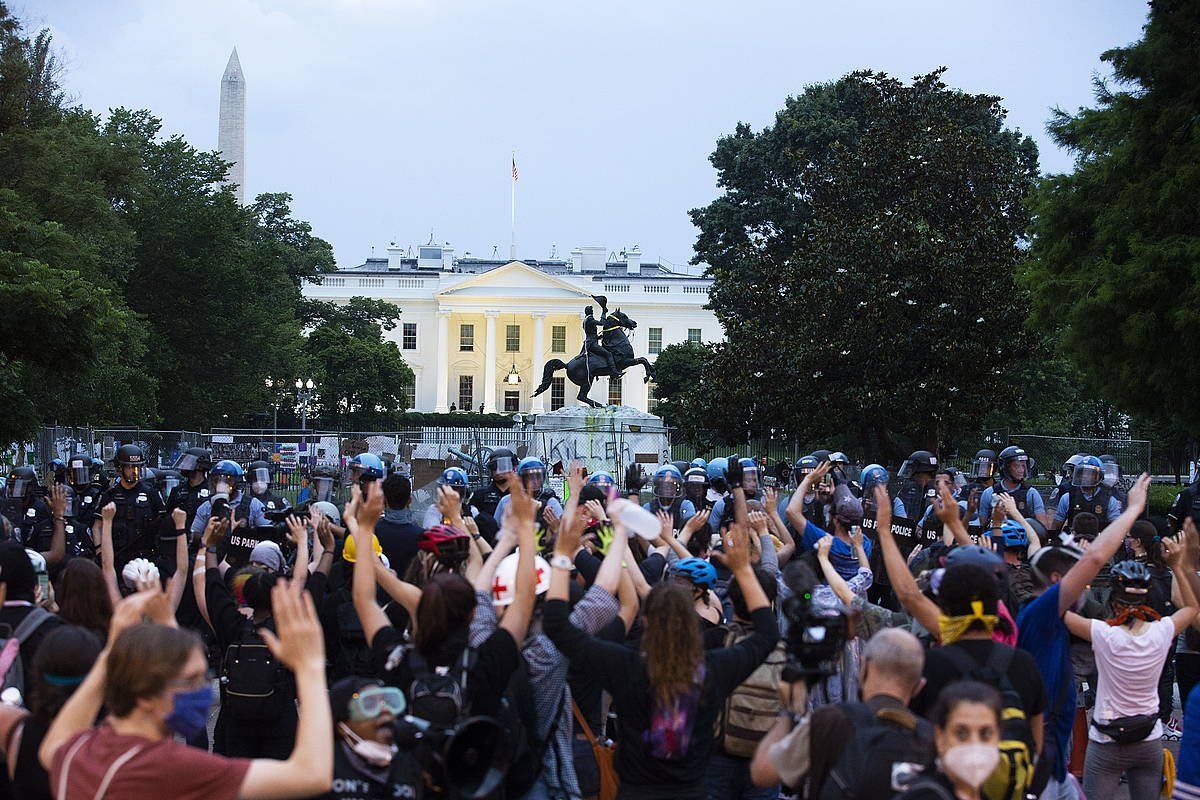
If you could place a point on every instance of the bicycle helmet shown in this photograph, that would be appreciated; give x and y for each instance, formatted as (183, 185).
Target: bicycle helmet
(1011, 534)
(448, 545)
(1130, 583)
(697, 570)
(977, 555)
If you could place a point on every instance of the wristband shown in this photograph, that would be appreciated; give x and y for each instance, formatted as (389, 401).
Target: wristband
(211, 549)
(560, 561)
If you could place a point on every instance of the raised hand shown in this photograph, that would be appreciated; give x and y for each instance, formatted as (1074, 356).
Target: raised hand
(521, 506)
(296, 529)
(665, 528)
(108, 512)
(575, 479)
(58, 500)
(214, 531)
(1138, 493)
(758, 521)
(370, 508)
(1172, 550)
(179, 517)
(823, 546)
(737, 548)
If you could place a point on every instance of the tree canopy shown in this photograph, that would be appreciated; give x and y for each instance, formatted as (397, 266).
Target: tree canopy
(863, 254)
(1115, 262)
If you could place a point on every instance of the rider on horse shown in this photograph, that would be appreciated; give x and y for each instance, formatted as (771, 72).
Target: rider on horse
(593, 330)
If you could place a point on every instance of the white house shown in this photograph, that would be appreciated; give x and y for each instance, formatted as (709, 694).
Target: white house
(467, 324)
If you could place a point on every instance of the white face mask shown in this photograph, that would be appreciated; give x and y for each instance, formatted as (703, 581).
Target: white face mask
(223, 487)
(971, 763)
(258, 487)
(369, 750)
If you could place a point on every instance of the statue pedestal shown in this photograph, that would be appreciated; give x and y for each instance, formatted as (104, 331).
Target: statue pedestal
(607, 439)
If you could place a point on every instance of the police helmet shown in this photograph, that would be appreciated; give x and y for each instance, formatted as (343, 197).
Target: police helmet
(370, 466)
(602, 479)
(873, 475)
(322, 480)
(1088, 473)
(493, 460)
(192, 459)
(1112, 470)
(821, 455)
(21, 481)
(259, 472)
(79, 469)
(717, 468)
(668, 481)
(920, 462)
(533, 474)
(681, 465)
(750, 482)
(168, 479)
(699, 462)
(1012, 456)
(806, 465)
(129, 455)
(984, 464)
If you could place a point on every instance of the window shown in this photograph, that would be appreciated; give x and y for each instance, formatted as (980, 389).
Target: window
(655, 341)
(651, 398)
(466, 392)
(694, 335)
(466, 338)
(512, 401)
(512, 338)
(614, 392)
(558, 393)
(410, 336)
(558, 338)
(430, 253)
(410, 396)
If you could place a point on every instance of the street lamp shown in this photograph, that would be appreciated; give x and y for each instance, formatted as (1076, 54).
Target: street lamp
(304, 393)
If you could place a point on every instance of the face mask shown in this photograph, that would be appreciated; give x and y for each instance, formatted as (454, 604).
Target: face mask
(369, 750)
(189, 713)
(971, 763)
(258, 487)
(223, 487)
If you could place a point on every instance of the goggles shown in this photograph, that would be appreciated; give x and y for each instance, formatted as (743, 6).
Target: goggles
(370, 703)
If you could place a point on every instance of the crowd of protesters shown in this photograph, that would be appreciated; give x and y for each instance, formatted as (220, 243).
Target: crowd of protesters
(811, 629)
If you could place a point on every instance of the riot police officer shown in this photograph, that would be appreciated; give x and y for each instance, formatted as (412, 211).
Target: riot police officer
(225, 484)
(532, 472)
(1112, 479)
(1186, 504)
(193, 464)
(25, 509)
(258, 479)
(1015, 469)
(695, 487)
(139, 508)
(917, 492)
(81, 479)
(667, 486)
(1062, 481)
(1087, 493)
(500, 462)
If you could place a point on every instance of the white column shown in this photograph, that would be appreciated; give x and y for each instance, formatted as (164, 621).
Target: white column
(489, 363)
(539, 361)
(442, 374)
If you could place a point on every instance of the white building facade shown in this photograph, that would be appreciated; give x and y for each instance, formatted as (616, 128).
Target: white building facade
(468, 325)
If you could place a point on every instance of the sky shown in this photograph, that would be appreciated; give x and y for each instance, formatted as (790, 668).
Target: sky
(396, 120)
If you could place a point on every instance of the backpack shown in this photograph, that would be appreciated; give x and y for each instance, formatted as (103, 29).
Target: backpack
(11, 667)
(440, 698)
(890, 748)
(256, 688)
(1014, 774)
(353, 654)
(753, 707)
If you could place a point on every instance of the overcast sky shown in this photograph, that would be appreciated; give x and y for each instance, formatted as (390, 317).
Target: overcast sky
(388, 118)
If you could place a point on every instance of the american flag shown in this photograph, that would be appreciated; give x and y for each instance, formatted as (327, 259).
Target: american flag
(514, 162)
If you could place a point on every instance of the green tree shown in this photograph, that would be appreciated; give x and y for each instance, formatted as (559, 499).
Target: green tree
(862, 254)
(361, 376)
(1115, 263)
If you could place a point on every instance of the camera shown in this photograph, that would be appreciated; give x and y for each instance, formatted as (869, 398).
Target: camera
(815, 636)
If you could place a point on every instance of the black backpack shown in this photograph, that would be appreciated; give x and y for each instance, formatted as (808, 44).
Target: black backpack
(353, 654)
(1014, 775)
(442, 699)
(891, 747)
(256, 688)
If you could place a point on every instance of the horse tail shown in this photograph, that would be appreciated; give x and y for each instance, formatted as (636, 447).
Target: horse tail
(552, 366)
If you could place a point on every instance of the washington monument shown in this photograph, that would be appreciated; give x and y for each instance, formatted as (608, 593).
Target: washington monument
(231, 132)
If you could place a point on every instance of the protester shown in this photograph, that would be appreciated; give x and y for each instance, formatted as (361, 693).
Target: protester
(966, 717)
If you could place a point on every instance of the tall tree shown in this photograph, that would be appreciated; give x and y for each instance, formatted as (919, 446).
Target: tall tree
(862, 254)
(1115, 263)
(361, 376)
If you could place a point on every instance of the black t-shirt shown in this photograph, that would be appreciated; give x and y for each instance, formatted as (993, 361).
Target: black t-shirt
(495, 661)
(353, 779)
(399, 542)
(940, 672)
(622, 672)
(586, 691)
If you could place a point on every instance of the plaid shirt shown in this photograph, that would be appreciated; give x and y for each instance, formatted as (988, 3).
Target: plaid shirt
(548, 674)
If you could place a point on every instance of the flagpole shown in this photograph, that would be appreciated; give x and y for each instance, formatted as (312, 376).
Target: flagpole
(512, 231)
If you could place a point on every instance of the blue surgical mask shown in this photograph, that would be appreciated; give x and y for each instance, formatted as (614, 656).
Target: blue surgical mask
(189, 713)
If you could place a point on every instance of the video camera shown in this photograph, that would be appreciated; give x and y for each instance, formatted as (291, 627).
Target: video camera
(470, 758)
(815, 636)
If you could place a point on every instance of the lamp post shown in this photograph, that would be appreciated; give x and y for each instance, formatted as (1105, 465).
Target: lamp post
(304, 393)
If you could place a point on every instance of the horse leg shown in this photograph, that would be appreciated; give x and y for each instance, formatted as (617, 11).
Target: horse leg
(583, 396)
(649, 369)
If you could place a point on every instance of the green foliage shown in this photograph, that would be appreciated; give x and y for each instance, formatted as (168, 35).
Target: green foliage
(1115, 264)
(1161, 497)
(361, 376)
(862, 256)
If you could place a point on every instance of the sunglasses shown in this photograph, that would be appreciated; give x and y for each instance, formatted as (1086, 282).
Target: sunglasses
(370, 703)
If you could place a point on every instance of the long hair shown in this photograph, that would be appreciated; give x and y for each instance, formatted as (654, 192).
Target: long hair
(83, 596)
(446, 605)
(671, 643)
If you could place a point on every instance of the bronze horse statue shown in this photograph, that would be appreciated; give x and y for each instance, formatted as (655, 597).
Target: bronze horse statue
(585, 368)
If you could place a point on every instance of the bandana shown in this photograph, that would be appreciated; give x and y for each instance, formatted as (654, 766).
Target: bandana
(1144, 613)
(951, 629)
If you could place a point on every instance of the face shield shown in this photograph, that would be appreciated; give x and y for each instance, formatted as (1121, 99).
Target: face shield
(1086, 476)
(1017, 468)
(321, 488)
(79, 472)
(187, 462)
(260, 480)
(694, 489)
(533, 480)
(983, 468)
(750, 480)
(353, 473)
(130, 473)
(500, 465)
(666, 487)
(169, 483)
(1112, 474)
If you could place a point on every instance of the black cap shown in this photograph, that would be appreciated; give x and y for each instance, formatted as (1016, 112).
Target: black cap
(342, 692)
(16, 571)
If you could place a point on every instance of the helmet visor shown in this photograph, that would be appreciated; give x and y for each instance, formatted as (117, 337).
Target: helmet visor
(666, 487)
(500, 465)
(187, 462)
(750, 480)
(322, 488)
(1017, 467)
(168, 485)
(222, 484)
(79, 473)
(983, 467)
(1086, 476)
(1112, 474)
(130, 473)
(261, 475)
(19, 487)
(533, 479)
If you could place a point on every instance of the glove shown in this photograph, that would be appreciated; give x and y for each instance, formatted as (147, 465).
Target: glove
(733, 473)
(634, 479)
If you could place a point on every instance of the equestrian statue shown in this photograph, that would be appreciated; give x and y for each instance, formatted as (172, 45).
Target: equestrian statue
(606, 351)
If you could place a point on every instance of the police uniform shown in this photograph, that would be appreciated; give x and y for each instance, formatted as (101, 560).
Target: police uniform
(32, 522)
(135, 524)
(1097, 504)
(1187, 503)
(488, 498)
